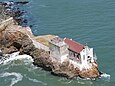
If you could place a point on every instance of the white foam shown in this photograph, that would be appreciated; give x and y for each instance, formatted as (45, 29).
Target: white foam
(105, 76)
(81, 82)
(18, 77)
(16, 56)
(35, 80)
(31, 68)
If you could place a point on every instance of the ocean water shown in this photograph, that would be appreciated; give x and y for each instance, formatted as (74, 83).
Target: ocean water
(85, 21)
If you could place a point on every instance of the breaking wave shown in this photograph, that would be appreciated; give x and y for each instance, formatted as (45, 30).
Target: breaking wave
(15, 56)
(17, 77)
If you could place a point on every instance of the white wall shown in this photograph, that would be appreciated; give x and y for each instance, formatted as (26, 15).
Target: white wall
(90, 53)
(86, 52)
(83, 56)
(55, 52)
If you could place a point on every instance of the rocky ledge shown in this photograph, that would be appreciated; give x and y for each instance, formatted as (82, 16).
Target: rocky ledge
(15, 38)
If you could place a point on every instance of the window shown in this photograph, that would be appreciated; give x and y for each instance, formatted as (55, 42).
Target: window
(70, 53)
(83, 57)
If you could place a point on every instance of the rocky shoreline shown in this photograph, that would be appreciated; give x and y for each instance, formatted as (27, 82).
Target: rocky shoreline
(14, 37)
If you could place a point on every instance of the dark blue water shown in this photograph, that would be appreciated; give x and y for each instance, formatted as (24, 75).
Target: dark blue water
(85, 21)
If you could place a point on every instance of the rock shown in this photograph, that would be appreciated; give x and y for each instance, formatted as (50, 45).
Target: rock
(9, 50)
(90, 73)
(12, 2)
(22, 2)
(12, 40)
(41, 59)
(65, 69)
(12, 9)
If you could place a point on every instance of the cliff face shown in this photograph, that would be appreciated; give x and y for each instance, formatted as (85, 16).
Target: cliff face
(12, 39)
(17, 38)
(67, 69)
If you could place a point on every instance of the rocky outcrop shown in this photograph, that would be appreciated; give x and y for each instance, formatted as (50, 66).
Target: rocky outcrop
(12, 40)
(90, 73)
(12, 9)
(65, 69)
(14, 37)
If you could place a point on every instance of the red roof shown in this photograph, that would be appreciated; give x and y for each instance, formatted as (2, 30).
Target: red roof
(74, 46)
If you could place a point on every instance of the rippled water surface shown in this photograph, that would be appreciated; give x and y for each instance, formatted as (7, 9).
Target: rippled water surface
(86, 21)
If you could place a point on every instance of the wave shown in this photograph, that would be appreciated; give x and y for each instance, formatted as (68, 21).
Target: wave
(7, 58)
(77, 80)
(43, 5)
(35, 80)
(18, 77)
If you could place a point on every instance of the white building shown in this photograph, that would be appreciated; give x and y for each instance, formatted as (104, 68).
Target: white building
(80, 54)
(77, 53)
(58, 49)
